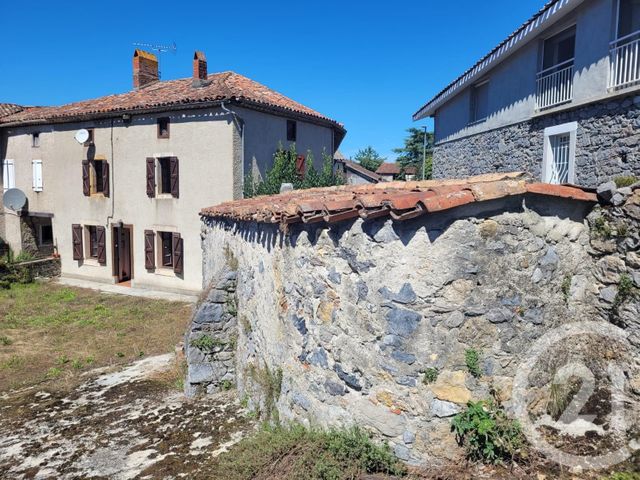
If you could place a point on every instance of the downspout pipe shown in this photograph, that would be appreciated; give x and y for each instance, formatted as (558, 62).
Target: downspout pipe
(240, 125)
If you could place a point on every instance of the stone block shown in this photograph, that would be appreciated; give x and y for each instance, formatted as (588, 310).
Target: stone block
(444, 409)
(403, 322)
(450, 386)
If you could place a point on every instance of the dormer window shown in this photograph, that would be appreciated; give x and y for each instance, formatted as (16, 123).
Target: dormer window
(163, 127)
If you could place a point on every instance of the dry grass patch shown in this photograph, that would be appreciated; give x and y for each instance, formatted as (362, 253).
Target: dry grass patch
(53, 332)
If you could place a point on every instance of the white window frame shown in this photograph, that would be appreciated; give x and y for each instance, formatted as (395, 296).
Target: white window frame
(37, 175)
(8, 174)
(570, 128)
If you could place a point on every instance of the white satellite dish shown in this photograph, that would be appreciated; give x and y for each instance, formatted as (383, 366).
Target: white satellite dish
(14, 199)
(82, 135)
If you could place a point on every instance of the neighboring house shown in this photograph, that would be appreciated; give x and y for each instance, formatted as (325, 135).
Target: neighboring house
(389, 171)
(124, 204)
(354, 173)
(558, 98)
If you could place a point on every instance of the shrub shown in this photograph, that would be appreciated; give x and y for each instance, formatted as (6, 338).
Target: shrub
(623, 476)
(284, 171)
(295, 452)
(206, 343)
(601, 228)
(4, 340)
(472, 360)
(487, 433)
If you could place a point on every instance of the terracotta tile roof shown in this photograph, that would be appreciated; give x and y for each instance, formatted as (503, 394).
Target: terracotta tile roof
(398, 200)
(9, 109)
(356, 167)
(165, 95)
(388, 169)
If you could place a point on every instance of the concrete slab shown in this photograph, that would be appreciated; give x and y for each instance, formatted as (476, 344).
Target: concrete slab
(125, 290)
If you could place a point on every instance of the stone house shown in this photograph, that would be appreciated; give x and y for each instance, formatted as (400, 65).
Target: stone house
(122, 205)
(358, 304)
(557, 98)
(389, 171)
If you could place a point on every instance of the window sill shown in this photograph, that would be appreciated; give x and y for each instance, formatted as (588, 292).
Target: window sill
(97, 195)
(164, 196)
(91, 262)
(476, 122)
(164, 272)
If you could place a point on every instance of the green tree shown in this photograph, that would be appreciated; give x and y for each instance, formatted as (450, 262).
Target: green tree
(369, 158)
(284, 170)
(412, 151)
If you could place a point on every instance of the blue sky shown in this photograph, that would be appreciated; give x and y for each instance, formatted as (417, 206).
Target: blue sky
(369, 65)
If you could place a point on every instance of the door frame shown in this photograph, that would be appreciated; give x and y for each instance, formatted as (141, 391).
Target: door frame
(115, 232)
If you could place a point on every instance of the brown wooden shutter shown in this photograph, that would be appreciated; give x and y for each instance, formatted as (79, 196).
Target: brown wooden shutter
(149, 249)
(175, 177)
(151, 177)
(86, 178)
(105, 179)
(102, 245)
(76, 239)
(300, 165)
(178, 251)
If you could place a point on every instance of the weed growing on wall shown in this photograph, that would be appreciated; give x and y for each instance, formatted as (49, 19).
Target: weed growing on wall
(430, 375)
(487, 433)
(270, 384)
(472, 361)
(207, 343)
(625, 181)
(566, 287)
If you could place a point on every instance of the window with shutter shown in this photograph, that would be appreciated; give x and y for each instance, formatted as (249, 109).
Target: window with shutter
(101, 243)
(105, 179)
(86, 178)
(151, 177)
(178, 251)
(37, 175)
(175, 177)
(76, 238)
(149, 250)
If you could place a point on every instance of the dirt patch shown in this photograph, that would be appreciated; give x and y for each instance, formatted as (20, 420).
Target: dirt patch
(122, 425)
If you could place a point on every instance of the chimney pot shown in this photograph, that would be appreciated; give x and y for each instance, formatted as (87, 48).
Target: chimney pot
(145, 68)
(199, 66)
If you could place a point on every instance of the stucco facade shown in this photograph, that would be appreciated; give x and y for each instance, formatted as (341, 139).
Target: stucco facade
(515, 80)
(215, 147)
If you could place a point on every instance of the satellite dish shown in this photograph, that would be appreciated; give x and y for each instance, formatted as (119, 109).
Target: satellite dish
(82, 135)
(14, 199)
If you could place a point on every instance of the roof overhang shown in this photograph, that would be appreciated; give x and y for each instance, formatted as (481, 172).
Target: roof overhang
(552, 12)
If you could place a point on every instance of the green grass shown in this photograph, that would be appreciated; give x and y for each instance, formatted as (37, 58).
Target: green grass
(45, 327)
(292, 453)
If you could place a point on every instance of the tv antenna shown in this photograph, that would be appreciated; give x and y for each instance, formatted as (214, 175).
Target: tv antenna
(160, 49)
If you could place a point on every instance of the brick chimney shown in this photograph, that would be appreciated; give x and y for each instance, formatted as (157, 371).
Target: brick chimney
(199, 66)
(145, 68)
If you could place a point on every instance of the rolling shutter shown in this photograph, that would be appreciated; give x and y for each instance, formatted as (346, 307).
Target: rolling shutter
(178, 251)
(86, 178)
(151, 177)
(105, 179)
(102, 245)
(149, 250)
(76, 238)
(175, 177)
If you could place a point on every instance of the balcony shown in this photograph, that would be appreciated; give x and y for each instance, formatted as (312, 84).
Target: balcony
(625, 61)
(555, 85)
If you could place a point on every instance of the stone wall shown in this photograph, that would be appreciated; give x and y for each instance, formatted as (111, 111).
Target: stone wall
(210, 342)
(607, 145)
(349, 323)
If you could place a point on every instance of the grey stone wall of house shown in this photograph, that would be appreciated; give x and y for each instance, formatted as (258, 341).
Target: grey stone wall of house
(210, 341)
(607, 145)
(338, 324)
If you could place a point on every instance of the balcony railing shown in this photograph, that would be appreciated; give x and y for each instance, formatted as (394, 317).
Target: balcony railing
(555, 85)
(625, 61)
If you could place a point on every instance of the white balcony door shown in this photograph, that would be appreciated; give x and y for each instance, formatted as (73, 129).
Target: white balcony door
(559, 154)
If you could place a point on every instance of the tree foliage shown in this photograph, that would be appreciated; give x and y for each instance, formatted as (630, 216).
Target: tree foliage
(284, 170)
(368, 158)
(411, 153)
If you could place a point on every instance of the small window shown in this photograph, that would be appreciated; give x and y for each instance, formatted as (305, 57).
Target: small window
(89, 141)
(479, 102)
(37, 175)
(8, 174)
(166, 249)
(559, 49)
(291, 130)
(163, 127)
(46, 235)
(164, 167)
(559, 153)
(35, 139)
(628, 17)
(92, 231)
(98, 176)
